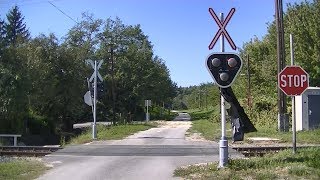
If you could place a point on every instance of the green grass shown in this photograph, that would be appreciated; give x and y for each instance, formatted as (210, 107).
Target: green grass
(208, 130)
(111, 132)
(203, 123)
(283, 165)
(21, 169)
(303, 137)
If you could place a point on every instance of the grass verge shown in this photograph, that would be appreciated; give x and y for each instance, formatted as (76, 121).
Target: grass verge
(111, 132)
(21, 169)
(201, 124)
(211, 130)
(284, 165)
(303, 137)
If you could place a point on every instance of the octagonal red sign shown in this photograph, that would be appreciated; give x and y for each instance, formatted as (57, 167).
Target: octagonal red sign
(293, 80)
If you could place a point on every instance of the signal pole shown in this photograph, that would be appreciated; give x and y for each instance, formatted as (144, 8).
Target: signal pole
(294, 139)
(94, 126)
(223, 143)
(282, 106)
(94, 77)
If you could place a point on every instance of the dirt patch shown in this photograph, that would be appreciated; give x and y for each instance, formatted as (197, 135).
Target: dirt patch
(194, 137)
(174, 124)
(185, 124)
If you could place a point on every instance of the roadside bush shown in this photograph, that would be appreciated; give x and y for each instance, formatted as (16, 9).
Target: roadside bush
(160, 113)
(315, 157)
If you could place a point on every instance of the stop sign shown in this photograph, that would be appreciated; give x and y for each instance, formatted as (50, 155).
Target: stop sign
(293, 80)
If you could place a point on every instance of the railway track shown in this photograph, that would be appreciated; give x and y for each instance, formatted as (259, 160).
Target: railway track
(261, 151)
(33, 151)
(37, 151)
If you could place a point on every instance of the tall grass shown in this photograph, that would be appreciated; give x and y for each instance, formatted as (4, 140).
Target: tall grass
(283, 165)
(208, 124)
(21, 169)
(110, 132)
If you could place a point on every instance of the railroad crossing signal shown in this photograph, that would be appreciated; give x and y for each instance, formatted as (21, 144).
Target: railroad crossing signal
(222, 28)
(224, 67)
(88, 61)
(88, 99)
(293, 80)
(94, 77)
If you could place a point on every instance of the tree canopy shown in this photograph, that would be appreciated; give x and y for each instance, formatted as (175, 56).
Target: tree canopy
(43, 79)
(301, 20)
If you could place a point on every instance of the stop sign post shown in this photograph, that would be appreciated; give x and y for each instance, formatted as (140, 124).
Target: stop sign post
(293, 80)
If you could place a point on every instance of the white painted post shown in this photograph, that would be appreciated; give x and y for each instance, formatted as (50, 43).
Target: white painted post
(147, 111)
(147, 103)
(15, 140)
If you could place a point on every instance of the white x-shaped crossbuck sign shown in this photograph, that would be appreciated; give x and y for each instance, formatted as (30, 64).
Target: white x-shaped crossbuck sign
(91, 62)
(222, 28)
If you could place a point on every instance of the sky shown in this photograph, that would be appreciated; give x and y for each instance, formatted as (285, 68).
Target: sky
(180, 30)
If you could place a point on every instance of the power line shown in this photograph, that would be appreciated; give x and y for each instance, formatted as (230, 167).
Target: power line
(63, 12)
(22, 3)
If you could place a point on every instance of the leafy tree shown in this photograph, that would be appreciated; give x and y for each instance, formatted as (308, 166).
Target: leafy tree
(301, 21)
(43, 79)
(14, 81)
(13, 89)
(202, 96)
(136, 74)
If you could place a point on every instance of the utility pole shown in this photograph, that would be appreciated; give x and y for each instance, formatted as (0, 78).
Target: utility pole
(282, 106)
(199, 99)
(195, 101)
(206, 96)
(112, 87)
(249, 82)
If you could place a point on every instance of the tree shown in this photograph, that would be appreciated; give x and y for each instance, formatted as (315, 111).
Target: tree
(132, 71)
(301, 21)
(43, 80)
(2, 34)
(58, 80)
(14, 85)
(14, 81)
(15, 28)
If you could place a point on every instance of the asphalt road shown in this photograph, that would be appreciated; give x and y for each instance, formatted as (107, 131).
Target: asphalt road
(152, 154)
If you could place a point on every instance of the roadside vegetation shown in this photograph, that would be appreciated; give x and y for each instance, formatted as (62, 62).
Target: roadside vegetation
(258, 96)
(111, 132)
(210, 129)
(22, 169)
(304, 164)
(26, 169)
(43, 77)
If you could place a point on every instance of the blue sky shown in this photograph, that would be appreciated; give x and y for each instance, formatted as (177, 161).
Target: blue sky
(180, 30)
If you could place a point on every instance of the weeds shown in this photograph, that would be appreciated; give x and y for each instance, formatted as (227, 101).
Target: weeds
(21, 169)
(205, 122)
(283, 165)
(110, 132)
